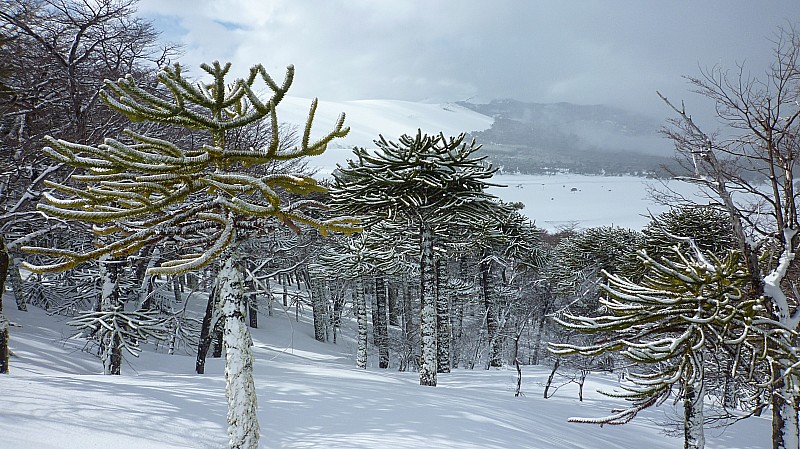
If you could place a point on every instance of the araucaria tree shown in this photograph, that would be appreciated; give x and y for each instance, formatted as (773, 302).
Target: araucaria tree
(425, 182)
(139, 191)
(749, 171)
(684, 307)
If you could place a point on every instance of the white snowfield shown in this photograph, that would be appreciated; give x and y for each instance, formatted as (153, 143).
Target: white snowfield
(310, 395)
(368, 119)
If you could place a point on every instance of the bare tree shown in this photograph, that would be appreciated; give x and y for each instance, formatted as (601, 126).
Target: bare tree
(749, 169)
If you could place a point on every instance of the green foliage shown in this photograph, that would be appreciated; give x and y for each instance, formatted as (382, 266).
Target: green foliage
(429, 179)
(683, 307)
(708, 227)
(146, 190)
(582, 257)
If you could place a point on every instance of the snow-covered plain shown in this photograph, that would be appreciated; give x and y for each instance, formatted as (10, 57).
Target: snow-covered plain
(564, 200)
(309, 394)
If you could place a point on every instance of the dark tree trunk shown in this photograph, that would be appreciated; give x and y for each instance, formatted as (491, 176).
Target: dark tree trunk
(205, 332)
(317, 306)
(252, 306)
(4, 325)
(491, 311)
(217, 337)
(380, 327)
(550, 378)
(394, 307)
(443, 331)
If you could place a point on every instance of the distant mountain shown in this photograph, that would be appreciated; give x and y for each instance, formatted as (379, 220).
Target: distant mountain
(595, 139)
(525, 137)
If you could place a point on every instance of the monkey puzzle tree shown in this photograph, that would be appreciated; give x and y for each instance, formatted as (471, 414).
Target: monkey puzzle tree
(141, 191)
(749, 169)
(425, 181)
(684, 307)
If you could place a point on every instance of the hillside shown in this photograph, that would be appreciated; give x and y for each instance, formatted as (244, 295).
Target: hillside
(368, 119)
(310, 395)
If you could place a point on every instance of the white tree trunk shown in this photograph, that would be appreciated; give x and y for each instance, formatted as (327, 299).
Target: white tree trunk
(693, 436)
(785, 432)
(428, 368)
(110, 340)
(243, 428)
(361, 317)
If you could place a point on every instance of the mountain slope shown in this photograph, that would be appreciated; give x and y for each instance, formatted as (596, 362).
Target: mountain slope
(369, 118)
(310, 395)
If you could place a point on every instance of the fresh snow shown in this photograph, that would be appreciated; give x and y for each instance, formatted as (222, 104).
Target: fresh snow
(310, 394)
(368, 119)
(564, 200)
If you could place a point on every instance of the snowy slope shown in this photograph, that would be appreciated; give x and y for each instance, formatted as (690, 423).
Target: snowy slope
(369, 118)
(310, 395)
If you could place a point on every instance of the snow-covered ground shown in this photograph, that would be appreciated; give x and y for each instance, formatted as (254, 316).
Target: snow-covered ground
(368, 119)
(554, 201)
(310, 395)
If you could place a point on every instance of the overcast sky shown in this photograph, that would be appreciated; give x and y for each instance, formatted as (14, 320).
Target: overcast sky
(612, 52)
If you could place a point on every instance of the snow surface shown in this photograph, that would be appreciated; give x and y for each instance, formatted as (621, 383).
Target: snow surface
(368, 119)
(554, 201)
(310, 395)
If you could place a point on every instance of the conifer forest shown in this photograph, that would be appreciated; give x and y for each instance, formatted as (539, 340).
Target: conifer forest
(150, 207)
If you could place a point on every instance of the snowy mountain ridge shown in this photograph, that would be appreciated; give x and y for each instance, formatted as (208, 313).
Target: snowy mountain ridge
(368, 119)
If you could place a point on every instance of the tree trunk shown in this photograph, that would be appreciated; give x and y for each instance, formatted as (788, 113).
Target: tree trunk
(495, 344)
(361, 316)
(205, 331)
(110, 341)
(216, 337)
(252, 307)
(442, 318)
(394, 307)
(784, 413)
(317, 307)
(380, 328)
(145, 299)
(693, 437)
(16, 283)
(427, 322)
(4, 325)
(243, 428)
(408, 327)
(456, 328)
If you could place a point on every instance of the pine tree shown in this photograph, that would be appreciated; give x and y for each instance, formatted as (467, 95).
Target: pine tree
(424, 181)
(141, 191)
